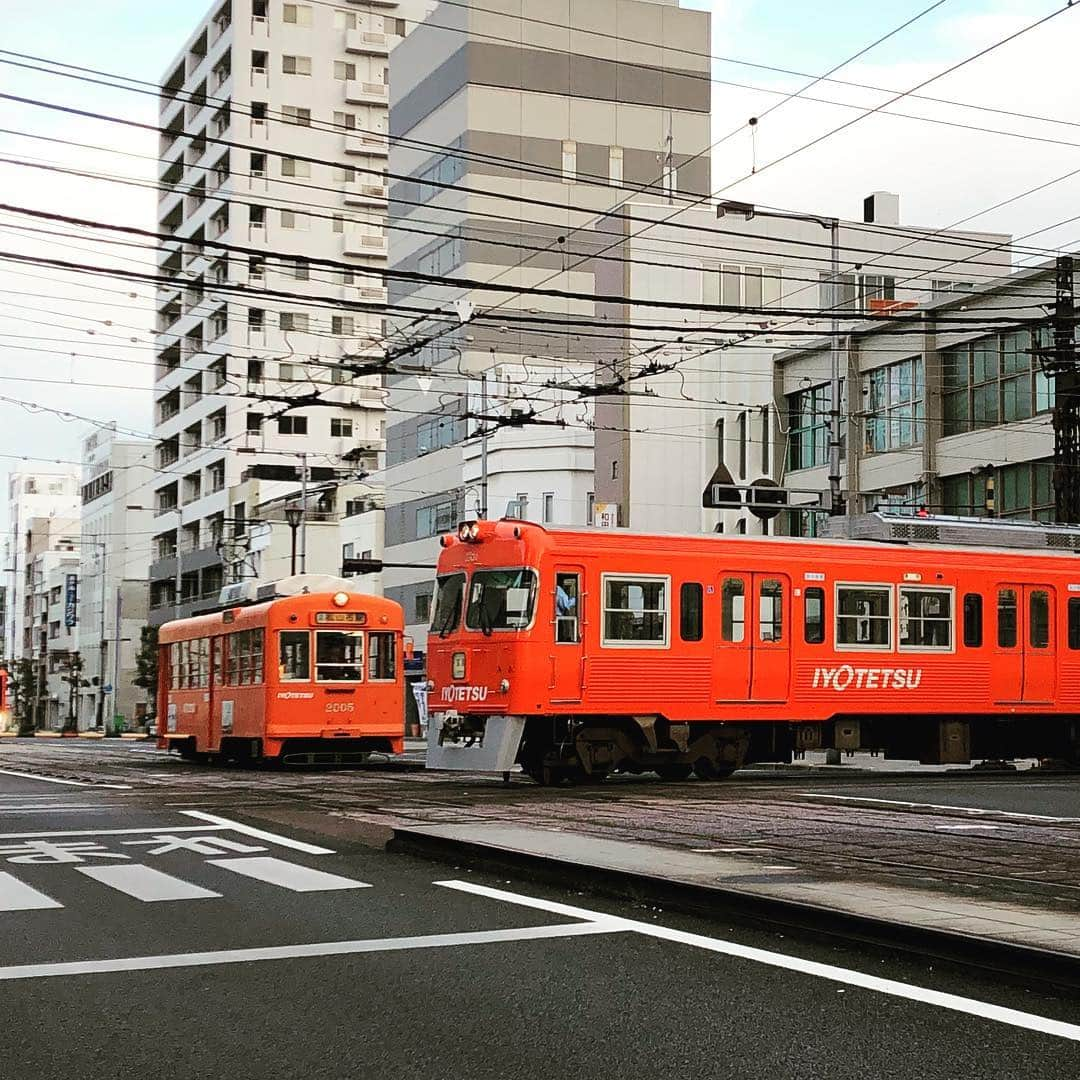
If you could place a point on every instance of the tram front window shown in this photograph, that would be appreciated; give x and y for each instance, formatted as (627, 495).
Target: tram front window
(500, 600)
(449, 591)
(339, 656)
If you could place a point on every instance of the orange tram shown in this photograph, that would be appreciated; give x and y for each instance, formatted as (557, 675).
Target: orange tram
(578, 653)
(310, 677)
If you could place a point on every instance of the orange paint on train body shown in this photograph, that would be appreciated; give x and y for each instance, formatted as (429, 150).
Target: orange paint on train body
(302, 674)
(771, 645)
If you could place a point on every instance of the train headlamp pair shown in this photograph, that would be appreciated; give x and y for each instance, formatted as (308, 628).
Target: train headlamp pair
(469, 532)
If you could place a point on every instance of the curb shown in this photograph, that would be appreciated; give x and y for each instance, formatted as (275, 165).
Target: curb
(1029, 963)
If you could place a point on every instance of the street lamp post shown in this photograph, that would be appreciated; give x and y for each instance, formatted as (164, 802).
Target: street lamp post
(294, 515)
(832, 224)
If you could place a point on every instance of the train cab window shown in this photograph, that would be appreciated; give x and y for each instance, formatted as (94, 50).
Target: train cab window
(973, 630)
(771, 611)
(339, 655)
(567, 609)
(294, 656)
(500, 600)
(1039, 619)
(814, 616)
(382, 658)
(864, 616)
(925, 618)
(449, 592)
(1074, 622)
(635, 611)
(1006, 620)
(174, 665)
(691, 601)
(733, 610)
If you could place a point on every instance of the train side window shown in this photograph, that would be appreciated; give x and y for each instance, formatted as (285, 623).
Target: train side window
(382, 657)
(973, 629)
(771, 611)
(257, 649)
(814, 616)
(174, 665)
(635, 611)
(339, 655)
(567, 609)
(294, 656)
(1039, 619)
(925, 617)
(691, 600)
(1006, 618)
(864, 616)
(1074, 622)
(733, 610)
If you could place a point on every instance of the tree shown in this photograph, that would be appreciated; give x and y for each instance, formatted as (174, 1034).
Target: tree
(74, 680)
(146, 665)
(24, 689)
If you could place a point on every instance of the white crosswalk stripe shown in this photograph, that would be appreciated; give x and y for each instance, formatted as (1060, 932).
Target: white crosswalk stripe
(288, 875)
(146, 884)
(15, 896)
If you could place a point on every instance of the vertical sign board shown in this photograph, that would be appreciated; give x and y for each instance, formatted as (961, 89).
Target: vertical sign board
(606, 516)
(71, 600)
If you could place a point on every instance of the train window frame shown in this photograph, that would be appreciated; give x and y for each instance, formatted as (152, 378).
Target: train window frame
(728, 622)
(470, 602)
(973, 620)
(1072, 609)
(814, 592)
(373, 656)
(1015, 594)
(444, 627)
(359, 666)
(889, 618)
(1045, 644)
(568, 622)
(606, 580)
(282, 677)
(696, 607)
(948, 621)
(776, 619)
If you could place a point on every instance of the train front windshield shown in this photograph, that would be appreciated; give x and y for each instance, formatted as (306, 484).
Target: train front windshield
(501, 600)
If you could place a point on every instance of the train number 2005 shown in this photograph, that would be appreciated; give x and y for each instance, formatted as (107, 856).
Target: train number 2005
(340, 706)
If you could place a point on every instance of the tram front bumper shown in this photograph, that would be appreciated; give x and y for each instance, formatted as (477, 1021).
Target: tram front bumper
(493, 749)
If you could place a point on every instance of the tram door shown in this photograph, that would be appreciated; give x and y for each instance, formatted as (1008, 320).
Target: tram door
(213, 706)
(568, 650)
(1024, 646)
(754, 643)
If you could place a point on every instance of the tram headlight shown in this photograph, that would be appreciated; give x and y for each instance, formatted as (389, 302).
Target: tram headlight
(469, 532)
(457, 669)
(504, 686)
(340, 599)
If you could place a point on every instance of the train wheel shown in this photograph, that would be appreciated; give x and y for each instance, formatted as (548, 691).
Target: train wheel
(674, 771)
(708, 769)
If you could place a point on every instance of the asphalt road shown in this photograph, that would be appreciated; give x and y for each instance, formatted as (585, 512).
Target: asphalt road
(186, 949)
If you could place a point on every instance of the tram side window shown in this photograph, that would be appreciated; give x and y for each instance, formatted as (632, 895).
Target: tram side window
(864, 616)
(174, 665)
(973, 629)
(771, 611)
(733, 610)
(257, 651)
(339, 655)
(814, 616)
(690, 611)
(635, 611)
(382, 666)
(925, 618)
(1006, 618)
(1039, 619)
(294, 656)
(1074, 622)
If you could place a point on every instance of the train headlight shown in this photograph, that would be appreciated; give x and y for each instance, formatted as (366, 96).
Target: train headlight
(458, 666)
(340, 599)
(504, 686)
(469, 532)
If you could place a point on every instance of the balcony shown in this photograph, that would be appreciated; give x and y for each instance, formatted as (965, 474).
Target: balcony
(370, 242)
(365, 142)
(366, 194)
(366, 93)
(363, 41)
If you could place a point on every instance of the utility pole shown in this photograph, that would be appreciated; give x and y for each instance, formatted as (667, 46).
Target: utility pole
(1063, 366)
(303, 512)
(483, 447)
(836, 502)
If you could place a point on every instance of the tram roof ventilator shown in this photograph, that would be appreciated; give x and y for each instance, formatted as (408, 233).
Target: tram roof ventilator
(954, 531)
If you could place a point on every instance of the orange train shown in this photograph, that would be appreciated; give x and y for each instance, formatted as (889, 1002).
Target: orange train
(576, 653)
(311, 677)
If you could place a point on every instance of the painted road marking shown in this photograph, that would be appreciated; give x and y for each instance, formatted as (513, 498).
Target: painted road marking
(294, 952)
(260, 834)
(146, 884)
(15, 896)
(287, 875)
(964, 828)
(57, 780)
(934, 806)
(954, 1002)
(108, 832)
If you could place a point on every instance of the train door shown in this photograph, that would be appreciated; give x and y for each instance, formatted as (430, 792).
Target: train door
(753, 646)
(568, 650)
(1025, 648)
(213, 694)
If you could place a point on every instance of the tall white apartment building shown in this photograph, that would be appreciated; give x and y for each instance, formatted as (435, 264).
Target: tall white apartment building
(275, 144)
(114, 549)
(31, 495)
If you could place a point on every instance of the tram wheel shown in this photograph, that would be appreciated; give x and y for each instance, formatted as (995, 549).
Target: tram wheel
(706, 768)
(674, 771)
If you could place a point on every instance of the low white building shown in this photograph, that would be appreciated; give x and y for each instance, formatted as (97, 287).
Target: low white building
(54, 593)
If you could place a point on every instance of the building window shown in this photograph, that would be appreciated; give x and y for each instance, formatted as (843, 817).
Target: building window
(297, 14)
(344, 70)
(346, 120)
(295, 114)
(257, 216)
(287, 372)
(291, 166)
(296, 65)
(292, 425)
(808, 421)
(863, 617)
(590, 508)
(896, 413)
(253, 422)
(615, 166)
(344, 174)
(943, 289)
(569, 161)
(743, 439)
(293, 320)
(1025, 490)
(256, 318)
(296, 268)
(433, 520)
(855, 291)
(635, 611)
(743, 286)
(766, 439)
(292, 220)
(258, 164)
(549, 507)
(436, 434)
(422, 607)
(342, 325)
(340, 428)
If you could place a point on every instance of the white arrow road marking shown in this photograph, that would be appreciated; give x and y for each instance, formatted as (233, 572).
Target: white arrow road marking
(15, 896)
(287, 875)
(145, 883)
(954, 1002)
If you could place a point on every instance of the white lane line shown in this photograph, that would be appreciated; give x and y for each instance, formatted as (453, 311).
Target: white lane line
(287, 875)
(110, 832)
(295, 952)
(259, 834)
(954, 1002)
(66, 809)
(934, 806)
(15, 896)
(57, 780)
(146, 884)
(964, 828)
